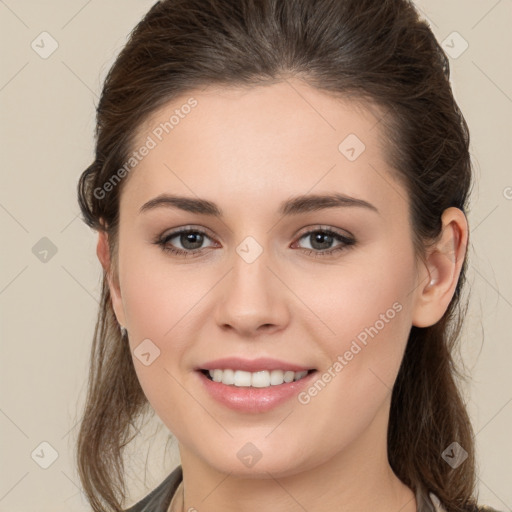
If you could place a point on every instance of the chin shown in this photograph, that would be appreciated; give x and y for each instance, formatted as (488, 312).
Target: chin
(249, 462)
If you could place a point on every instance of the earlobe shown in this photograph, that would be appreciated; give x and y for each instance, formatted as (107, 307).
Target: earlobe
(103, 253)
(438, 279)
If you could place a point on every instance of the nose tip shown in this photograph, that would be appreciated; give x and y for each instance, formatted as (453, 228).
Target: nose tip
(249, 315)
(252, 299)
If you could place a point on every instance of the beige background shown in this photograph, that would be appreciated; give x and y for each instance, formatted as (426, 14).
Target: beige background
(48, 308)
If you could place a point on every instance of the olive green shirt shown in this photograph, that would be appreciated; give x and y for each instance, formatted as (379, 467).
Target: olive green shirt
(160, 498)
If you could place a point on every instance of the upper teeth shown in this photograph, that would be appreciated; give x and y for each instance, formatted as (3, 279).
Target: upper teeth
(261, 379)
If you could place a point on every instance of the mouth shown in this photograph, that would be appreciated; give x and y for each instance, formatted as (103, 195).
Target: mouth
(260, 386)
(258, 379)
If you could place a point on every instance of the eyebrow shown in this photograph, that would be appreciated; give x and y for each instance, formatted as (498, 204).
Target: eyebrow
(293, 206)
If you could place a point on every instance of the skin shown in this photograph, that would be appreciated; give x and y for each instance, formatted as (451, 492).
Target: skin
(248, 150)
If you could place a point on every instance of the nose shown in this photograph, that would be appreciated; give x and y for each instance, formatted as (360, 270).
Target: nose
(252, 300)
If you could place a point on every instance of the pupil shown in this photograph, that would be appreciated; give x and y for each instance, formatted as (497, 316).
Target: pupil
(318, 238)
(191, 240)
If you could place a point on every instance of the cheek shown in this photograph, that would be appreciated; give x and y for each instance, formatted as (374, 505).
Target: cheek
(164, 303)
(363, 320)
(370, 316)
(365, 290)
(159, 297)
(159, 301)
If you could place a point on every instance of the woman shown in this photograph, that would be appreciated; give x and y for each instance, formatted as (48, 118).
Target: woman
(279, 189)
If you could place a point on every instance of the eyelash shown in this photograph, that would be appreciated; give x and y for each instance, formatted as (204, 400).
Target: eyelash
(346, 242)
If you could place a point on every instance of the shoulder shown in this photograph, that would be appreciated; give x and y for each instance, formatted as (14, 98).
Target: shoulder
(158, 499)
(438, 507)
(483, 508)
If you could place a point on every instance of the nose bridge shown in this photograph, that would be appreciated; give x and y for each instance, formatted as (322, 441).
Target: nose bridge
(251, 298)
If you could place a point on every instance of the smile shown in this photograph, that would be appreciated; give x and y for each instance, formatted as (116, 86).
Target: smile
(259, 379)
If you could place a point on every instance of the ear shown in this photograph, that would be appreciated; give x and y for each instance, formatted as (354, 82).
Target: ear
(438, 279)
(103, 253)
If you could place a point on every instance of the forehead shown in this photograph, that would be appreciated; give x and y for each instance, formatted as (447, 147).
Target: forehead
(263, 142)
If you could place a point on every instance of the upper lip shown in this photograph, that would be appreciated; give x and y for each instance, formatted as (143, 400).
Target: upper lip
(252, 365)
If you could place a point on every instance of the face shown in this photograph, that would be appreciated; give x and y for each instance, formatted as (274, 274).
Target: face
(323, 285)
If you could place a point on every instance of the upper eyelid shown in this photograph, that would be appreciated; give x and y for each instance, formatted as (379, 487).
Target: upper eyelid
(318, 227)
(177, 231)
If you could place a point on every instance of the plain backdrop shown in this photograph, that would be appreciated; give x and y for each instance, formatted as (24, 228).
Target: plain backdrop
(50, 277)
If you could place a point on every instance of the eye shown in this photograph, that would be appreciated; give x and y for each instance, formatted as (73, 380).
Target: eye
(191, 241)
(321, 242)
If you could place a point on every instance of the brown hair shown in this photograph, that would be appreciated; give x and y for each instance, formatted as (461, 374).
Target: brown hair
(378, 51)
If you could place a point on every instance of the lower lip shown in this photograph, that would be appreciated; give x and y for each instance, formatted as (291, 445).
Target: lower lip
(254, 400)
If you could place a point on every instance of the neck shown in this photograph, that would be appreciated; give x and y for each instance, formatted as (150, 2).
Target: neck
(358, 478)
